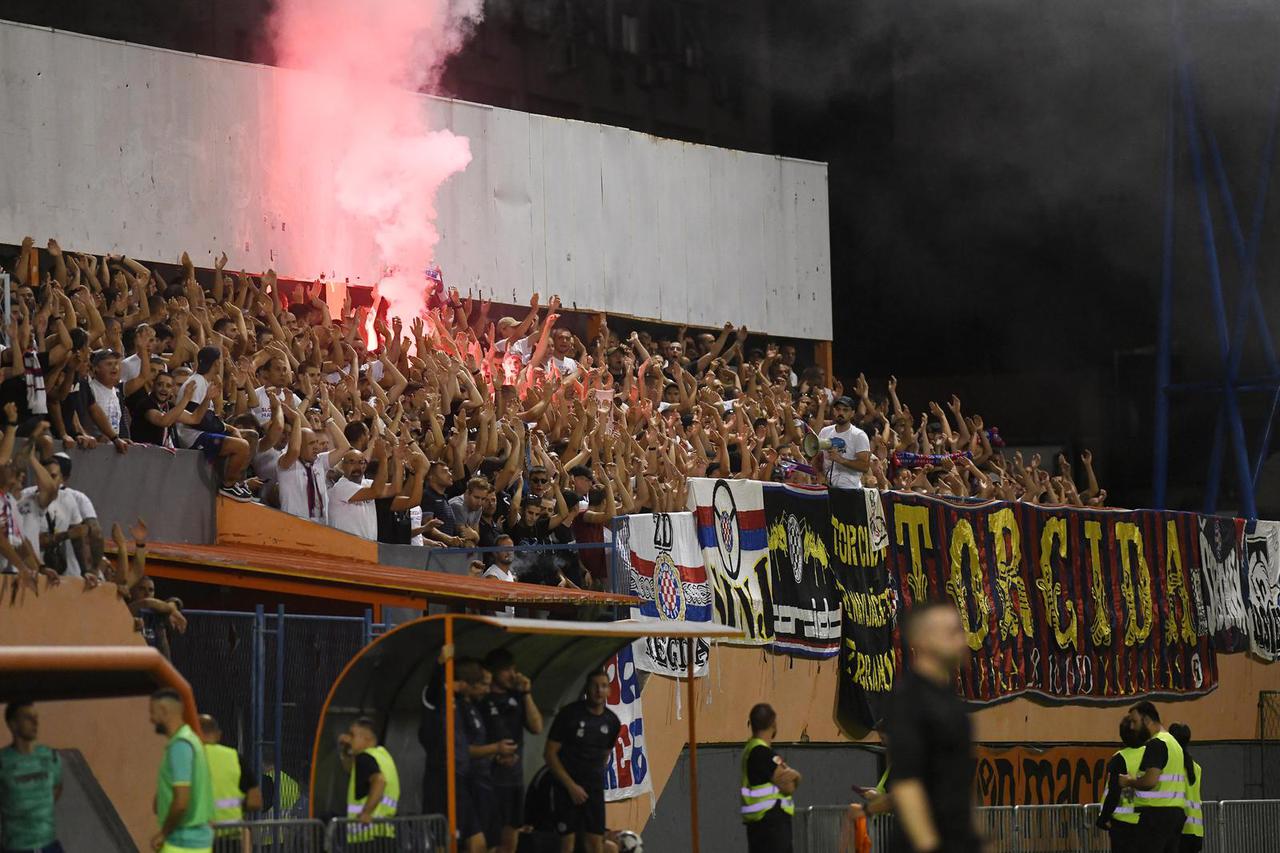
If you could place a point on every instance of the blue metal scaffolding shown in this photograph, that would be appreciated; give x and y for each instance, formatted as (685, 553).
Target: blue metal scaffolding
(1200, 146)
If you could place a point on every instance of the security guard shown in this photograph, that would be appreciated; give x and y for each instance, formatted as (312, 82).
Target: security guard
(1119, 817)
(1193, 830)
(767, 786)
(1160, 785)
(373, 790)
(234, 789)
(277, 783)
(184, 791)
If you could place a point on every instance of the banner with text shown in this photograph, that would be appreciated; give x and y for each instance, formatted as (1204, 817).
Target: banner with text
(806, 603)
(1262, 557)
(667, 575)
(868, 659)
(735, 552)
(627, 773)
(1028, 776)
(1061, 602)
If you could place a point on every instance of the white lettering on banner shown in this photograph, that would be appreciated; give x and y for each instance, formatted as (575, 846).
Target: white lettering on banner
(668, 576)
(1220, 558)
(1262, 558)
(627, 774)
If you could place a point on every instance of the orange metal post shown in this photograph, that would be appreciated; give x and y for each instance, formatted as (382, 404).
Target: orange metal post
(693, 747)
(449, 722)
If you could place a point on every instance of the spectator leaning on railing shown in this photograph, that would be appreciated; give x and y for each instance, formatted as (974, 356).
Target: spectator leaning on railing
(459, 428)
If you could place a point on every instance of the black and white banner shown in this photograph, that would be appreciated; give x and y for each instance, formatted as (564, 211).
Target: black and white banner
(1222, 573)
(1262, 560)
(806, 602)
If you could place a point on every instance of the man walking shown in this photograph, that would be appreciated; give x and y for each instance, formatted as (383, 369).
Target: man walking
(930, 743)
(30, 783)
(577, 751)
(767, 786)
(184, 790)
(1160, 785)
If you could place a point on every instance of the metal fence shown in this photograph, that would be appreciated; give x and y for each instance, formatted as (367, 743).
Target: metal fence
(1231, 826)
(418, 833)
(244, 669)
(414, 834)
(276, 836)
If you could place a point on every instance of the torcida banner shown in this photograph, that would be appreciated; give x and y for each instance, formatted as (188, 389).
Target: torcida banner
(1064, 603)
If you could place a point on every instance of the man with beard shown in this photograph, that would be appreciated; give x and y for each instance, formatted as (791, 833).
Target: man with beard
(930, 738)
(184, 789)
(154, 413)
(1160, 785)
(850, 456)
(30, 784)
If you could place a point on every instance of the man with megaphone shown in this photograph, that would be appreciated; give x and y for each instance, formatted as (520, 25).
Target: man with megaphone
(845, 449)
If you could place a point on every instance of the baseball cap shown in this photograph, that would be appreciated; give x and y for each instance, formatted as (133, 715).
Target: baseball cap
(843, 401)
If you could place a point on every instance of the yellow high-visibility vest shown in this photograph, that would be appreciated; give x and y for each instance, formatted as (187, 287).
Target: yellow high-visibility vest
(1171, 790)
(386, 807)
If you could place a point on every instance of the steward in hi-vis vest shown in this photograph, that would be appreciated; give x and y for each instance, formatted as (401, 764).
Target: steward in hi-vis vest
(1160, 785)
(1192, 840)
(373, 788)
(767, 787)
(235, 789)
(1119, 815)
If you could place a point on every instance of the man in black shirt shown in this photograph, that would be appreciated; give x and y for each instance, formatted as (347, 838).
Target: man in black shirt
(578, 747)
(474, 751)
(509, 712)
(930, 740)
(767, 786)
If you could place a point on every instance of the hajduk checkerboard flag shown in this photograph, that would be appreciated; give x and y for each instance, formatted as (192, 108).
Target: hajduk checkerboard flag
(668, 576)
(735, 550)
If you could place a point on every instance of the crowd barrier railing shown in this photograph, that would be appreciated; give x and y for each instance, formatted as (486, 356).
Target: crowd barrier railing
(1231, 826)
(275, 836)
(389, 835)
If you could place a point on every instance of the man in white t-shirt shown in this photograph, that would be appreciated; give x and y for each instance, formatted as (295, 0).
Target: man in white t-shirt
(302, 472)
(500, 568)
(351, 497)
(275, 376)
(562, 361)
(845, 465)
(51, 519)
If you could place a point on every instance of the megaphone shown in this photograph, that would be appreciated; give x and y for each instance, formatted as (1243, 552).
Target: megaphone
(811, 445)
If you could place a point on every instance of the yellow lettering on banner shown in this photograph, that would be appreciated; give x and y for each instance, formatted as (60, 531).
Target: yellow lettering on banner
(1177, 625)
(962, 541)
(1137, 623)
(852, 545)
(1009, 574)
(1100, 633)
(873, 673)
(1055, 530)
(911, 526)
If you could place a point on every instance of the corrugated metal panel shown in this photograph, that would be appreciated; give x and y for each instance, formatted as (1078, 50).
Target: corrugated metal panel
(116, 147)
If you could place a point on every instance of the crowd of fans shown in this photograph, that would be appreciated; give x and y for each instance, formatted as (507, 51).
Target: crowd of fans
(462, 430)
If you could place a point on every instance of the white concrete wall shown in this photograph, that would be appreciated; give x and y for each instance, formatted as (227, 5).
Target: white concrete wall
(116, 147)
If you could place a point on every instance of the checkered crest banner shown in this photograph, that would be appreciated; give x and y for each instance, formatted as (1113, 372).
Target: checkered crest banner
(667, 574)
